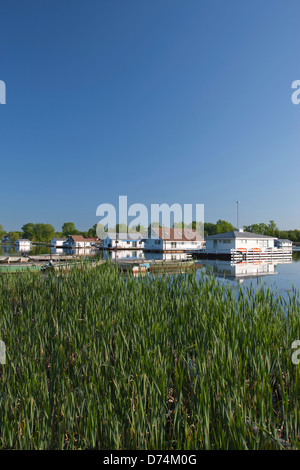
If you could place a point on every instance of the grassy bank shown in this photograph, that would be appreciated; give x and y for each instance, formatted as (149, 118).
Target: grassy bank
(99, 360)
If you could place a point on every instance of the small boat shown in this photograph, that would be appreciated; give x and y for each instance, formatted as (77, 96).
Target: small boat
(10, 260)
(17, 268)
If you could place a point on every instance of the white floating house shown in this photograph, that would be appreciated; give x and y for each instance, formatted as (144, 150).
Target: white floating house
(238, 240)
(173, 239)
(58, 242)
(283, 243)
(23, 243)
(124, 241)
(78, 241)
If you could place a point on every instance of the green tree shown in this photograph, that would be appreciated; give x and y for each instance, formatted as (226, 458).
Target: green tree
(2, 232)
(284, 234)
(92, 231)
(272, 229)
(14, 236)
(297, 233)
(47, 232)
(209, 229)
(260, 229)
(224, 227)
(38, 232)
(69, 228)
(28, 231)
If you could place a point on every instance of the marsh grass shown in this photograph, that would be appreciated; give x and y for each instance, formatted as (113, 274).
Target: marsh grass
(97, 359)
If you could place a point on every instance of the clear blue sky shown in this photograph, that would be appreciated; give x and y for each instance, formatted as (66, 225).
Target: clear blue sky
(184, 101)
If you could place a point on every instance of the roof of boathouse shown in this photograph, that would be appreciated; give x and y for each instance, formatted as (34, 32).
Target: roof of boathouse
(237, 234)
(176, 234)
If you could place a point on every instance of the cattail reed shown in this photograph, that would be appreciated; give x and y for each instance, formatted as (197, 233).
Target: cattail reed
(96, 359)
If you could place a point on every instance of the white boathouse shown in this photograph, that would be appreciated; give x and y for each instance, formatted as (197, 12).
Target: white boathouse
(124, 241)
(173, 239)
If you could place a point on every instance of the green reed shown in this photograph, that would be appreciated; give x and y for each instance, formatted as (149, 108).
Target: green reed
(99, 360)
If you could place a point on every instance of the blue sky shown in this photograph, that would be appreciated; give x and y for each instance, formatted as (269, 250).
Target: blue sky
(165, 101)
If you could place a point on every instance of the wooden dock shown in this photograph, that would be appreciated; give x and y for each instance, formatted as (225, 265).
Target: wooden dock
(38, 258)
(154, 266)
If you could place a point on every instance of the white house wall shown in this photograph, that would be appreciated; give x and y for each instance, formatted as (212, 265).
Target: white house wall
(123, 244)
(226, 245)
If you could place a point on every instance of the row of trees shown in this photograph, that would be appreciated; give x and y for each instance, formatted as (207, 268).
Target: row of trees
(269, 229)
(45, 232)
(272, 230)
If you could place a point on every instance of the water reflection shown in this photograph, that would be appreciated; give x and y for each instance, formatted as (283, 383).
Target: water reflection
(296, 256)
(12, 250)
(242, 271)
(72, 251)
(146, 256)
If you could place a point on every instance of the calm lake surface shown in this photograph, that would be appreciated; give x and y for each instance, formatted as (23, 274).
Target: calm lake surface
(279, 276)
(12, 250)
(282, 277)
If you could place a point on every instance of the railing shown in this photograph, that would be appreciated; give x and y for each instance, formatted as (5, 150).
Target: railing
(258, 254)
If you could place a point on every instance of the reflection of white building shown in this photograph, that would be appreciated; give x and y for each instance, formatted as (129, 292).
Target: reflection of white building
(147, 255)
(125, 254)
(163, 256)
(238, 240)
(124, 241)
(23, 243)
(239, 271)
(173, 239)
(90, 251)
(63, 251)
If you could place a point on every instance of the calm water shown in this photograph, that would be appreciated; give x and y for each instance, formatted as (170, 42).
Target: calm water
(280, 276)
(11, 250)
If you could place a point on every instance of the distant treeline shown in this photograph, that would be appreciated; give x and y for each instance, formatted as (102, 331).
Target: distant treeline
(271, 229)
(45, 232)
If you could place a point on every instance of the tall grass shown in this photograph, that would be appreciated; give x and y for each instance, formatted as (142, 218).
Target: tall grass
(96, 359)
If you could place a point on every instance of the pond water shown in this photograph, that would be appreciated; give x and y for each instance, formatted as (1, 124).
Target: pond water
(12, 250)
(282, 276)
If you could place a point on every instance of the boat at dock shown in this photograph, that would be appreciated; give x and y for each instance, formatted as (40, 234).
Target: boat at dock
(138, 267)
(11, 260)
(18, 268)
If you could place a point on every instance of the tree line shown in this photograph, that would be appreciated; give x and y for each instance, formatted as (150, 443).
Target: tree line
(43, 233)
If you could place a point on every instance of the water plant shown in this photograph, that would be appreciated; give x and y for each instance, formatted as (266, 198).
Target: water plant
(96, 359)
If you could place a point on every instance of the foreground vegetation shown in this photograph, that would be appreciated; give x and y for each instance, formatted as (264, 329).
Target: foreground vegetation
(99, 360)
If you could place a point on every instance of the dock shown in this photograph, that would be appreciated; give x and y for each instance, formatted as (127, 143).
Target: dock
(154, 266)
(272, 254)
